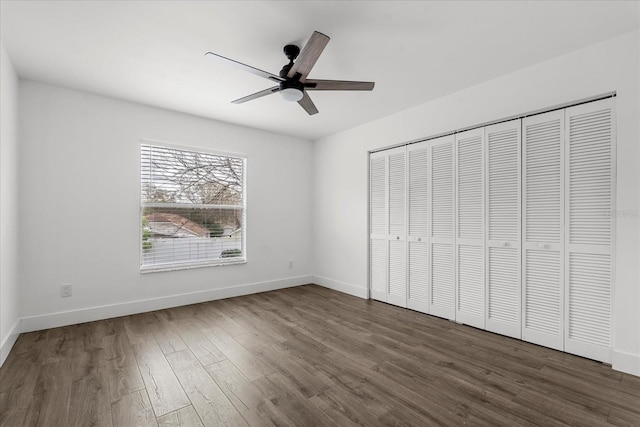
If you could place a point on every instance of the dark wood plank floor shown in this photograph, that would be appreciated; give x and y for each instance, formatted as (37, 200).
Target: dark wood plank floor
(301, 357)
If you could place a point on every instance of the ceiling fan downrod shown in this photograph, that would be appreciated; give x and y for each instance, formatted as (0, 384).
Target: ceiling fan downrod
(291, 51)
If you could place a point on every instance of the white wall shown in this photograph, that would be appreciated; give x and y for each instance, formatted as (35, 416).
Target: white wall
(9, 321)
(340, 166)
(79, 174)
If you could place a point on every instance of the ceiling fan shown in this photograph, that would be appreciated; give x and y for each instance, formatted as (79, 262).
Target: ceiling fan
(292, 80)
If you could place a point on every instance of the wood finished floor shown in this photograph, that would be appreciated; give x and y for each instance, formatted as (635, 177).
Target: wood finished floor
(302, 356)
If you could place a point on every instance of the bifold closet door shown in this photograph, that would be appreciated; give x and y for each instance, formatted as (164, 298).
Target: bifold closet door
(397, 237)
(441, 227)
(388, 263)
(503, 298)
(378, 214)
(543, 192)
(418, 222)
(589, 186)
(469, 226)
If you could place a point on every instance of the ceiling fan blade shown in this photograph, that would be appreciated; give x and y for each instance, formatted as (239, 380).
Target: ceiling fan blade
(308, 105)
(337, 85)
(257, 95)
(309, 55)
(250, 69)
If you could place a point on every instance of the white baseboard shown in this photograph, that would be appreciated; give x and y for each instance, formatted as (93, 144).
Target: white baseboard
(336, 285)
(54, 320)
(626, 362)
(10, 340)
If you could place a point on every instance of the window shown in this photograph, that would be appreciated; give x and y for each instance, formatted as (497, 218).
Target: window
(192, 208)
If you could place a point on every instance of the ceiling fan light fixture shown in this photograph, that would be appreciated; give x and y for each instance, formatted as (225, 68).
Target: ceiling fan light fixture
(292, 94)
(292, 90)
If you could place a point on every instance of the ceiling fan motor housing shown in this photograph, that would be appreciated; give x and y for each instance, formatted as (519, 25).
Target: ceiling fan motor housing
(291, 51)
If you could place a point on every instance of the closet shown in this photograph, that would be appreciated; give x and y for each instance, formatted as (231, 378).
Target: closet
(505, 227)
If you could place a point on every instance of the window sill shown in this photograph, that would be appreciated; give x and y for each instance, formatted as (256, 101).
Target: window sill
(175, 267)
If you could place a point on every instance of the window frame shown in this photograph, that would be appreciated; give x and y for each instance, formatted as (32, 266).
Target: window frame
(173, 266)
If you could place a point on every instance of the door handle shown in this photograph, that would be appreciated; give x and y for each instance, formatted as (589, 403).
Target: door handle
(543, 246)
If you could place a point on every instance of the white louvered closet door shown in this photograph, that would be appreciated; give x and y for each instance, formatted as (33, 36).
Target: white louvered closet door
(378, 211)
(441, 227)
(503, 229)
(397, 237)
(590, 154)
(418, 221)
(469, 224)
(543, 194)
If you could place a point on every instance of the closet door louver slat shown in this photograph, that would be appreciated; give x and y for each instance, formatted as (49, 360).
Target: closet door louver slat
(378, 269)
(441, 227)
(589, 185)
(397, 272)
(470, 280)
(442, 287)
(543, 176)
(503, 298)
(378, 208)
(542, 296)
(397, 193)
(503, 291)
(418, 298)
(589, 299)
(418, 190)
(418, 221)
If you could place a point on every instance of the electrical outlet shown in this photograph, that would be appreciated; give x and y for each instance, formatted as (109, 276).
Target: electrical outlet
(290, 264)
(66, 291)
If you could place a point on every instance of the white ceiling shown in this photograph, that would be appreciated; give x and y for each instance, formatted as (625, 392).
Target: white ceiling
(152, 52)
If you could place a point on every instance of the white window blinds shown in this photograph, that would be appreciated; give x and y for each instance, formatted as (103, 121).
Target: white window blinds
(192, 208)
